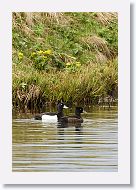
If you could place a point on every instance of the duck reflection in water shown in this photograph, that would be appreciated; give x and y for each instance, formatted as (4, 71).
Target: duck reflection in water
(75, 128)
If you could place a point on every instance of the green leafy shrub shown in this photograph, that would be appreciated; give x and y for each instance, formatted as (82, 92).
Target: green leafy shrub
(41, 59)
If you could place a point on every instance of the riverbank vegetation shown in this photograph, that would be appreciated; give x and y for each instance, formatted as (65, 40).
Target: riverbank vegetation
(69, 56)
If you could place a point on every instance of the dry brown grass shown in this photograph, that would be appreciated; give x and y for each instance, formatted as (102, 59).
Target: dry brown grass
(31, 17)
(100, 57)
(99, 44)
(105, 17)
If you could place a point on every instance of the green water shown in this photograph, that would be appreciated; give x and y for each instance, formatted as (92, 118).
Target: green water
(89, 147)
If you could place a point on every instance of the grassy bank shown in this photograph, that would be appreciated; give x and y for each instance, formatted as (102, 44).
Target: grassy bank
(69, 56)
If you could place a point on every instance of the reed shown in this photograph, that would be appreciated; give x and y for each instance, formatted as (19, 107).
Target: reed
(32, 89)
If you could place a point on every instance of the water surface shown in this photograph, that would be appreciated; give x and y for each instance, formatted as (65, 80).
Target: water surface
(91, 146)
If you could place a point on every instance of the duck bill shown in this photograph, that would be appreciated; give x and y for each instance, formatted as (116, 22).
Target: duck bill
(65, 107)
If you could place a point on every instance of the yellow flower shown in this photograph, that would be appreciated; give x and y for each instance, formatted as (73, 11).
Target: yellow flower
(47, 52)
(33, 54)
(78, 64)
(68, 64)
(20, 55)
(40, 52)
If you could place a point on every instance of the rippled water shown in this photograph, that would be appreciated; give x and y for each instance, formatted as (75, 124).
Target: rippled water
(91, 146)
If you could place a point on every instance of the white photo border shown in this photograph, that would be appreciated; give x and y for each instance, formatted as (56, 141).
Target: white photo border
(123, 174)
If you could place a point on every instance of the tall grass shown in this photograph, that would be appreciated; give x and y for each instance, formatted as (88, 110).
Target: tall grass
(32, 89)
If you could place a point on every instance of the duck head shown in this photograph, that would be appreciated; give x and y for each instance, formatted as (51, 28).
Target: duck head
(78, 111)
(60, 107)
